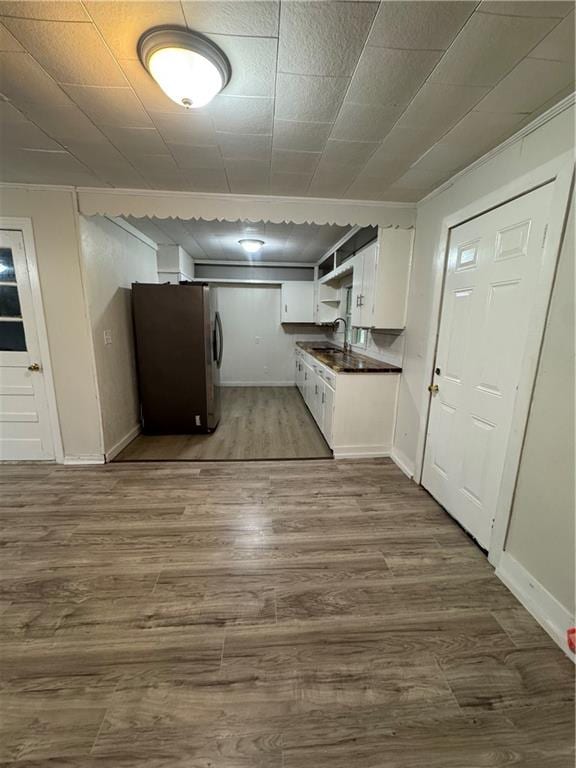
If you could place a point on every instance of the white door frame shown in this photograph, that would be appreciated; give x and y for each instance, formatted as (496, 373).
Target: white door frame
(24, 226)
(560, 171)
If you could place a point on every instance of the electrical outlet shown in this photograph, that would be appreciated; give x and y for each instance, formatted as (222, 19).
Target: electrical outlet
(108, 337)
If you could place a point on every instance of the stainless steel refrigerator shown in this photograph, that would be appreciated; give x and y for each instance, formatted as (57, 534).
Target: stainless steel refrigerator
(179, 347)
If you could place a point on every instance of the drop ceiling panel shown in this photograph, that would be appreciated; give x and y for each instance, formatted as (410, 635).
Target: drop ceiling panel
(70, 52)
(233, 18)
(306, 137)
(419, 25)
(386, 76)
(323, 38)
(488, 47)
(327, 98)
(109, 106)
(305, 98)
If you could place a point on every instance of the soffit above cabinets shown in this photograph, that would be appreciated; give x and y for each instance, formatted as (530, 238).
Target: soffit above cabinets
(218, 240)
(352, 100)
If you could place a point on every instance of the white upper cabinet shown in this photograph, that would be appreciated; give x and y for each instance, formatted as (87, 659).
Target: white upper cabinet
(297, 302)
(363, 286)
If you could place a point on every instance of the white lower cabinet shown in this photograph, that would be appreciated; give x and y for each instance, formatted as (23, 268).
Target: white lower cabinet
(354, 411)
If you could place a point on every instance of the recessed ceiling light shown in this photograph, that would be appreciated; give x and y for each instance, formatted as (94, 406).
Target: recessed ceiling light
(188, 67)
(251, 246)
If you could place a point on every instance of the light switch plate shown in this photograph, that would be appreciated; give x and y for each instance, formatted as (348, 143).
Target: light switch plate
(108, 337)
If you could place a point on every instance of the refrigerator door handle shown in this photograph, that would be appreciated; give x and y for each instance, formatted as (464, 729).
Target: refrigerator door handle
(221, 340)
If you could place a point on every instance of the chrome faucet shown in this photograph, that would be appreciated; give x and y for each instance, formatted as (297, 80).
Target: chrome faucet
(347, 346)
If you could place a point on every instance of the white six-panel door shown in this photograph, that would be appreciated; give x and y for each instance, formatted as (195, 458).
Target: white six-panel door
(490, 286)
(25, 430)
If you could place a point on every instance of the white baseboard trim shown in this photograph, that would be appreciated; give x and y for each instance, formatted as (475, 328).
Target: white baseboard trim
(360, 451)
(402, 462)
(258, 384)
(123, 442)
(548, 612)
(96, 458)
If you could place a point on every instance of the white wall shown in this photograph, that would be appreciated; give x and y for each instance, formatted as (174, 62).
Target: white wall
(114, 259)
(174, 264)
(54, 222)
(542, 526)
(538, 147)
(258, 350)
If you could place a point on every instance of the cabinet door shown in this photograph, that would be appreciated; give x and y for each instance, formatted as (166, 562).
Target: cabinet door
(297, 371)
(317, 387)
(328, 413)
(297, 302)
(369, 262)
(357, 266)
(307, 384)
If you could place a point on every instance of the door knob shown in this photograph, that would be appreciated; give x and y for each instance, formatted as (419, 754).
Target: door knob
(433, 388)
(34, 367)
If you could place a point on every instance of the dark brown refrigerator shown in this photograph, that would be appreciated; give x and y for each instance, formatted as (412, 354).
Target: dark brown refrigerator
(179, 347)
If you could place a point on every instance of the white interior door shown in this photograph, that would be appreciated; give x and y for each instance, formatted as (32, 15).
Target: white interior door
(25, 432)
(490, 288)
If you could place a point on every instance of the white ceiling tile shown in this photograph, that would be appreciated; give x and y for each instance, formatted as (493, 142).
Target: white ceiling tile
(109, 106)
(483, 130)
(253, 62)
(292, 184)
(248, 176)
(160, 171)
(289, 161)
(208, 179)
(319, 38)
(107, 163)
(63, 123)
(309, 99)
(233, 18)
(135, 141)
(421, 179)
(147, 89)
(242, 115)
(49, 10)
(364, 122)
(22, 79)
(71, 52)
(151, 229)
(122, 23)
(242, 146)
(366, 188)
(9, 113)
(559, 44)
(7, 41)
(403, 195)
(46, 167)
(307, 137)
(24, 135)
(189, 158)
(528, 86)
(419, 25)
(488, 47)
(194, 128)
(548, 8)
(349, 154)
(390, 77)
(437, 107)
(330, 181)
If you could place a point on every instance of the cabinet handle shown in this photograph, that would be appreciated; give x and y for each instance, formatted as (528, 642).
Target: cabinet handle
(315, 389)
(358, 300)
(361, 297)
(286, 308)
(322, 396)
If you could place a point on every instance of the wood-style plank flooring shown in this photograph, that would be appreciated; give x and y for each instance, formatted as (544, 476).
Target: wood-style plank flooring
(256, 423)
(315, 614)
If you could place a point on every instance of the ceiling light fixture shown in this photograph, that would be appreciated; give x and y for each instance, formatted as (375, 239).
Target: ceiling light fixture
(251, 246)
(188, 67)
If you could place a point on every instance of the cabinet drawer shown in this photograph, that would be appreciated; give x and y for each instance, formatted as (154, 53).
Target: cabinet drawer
(328, 376)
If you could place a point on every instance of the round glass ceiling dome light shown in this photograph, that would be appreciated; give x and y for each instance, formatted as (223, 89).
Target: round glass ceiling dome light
(188, 67)
(251, 246)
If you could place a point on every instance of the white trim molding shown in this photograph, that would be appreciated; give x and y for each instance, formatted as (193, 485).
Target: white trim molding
(402, 462)
(258, 383)
(92, 458)
(225, 207)
(361, 451)
(119, 446)
(548, 612)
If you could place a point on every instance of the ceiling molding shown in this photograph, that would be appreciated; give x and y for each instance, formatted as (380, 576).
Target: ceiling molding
(210, 207)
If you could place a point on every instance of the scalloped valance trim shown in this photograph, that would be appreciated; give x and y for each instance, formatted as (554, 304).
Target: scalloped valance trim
(213, 207)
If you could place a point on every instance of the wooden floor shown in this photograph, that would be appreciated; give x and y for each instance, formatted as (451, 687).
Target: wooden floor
(316, 614)
(256, 423)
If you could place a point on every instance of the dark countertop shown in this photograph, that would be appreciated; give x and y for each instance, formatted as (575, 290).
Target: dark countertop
(345, 362)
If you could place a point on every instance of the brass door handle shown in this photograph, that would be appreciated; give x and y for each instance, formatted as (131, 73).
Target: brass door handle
(433, 388)
(34, 367)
